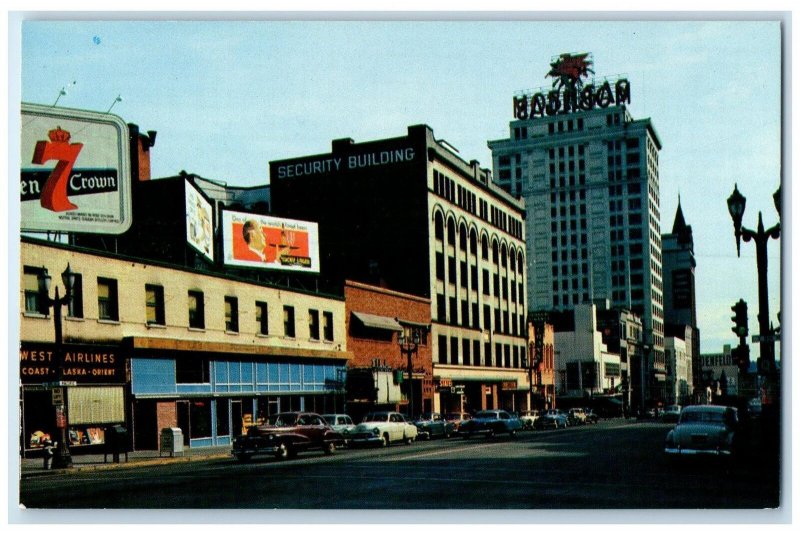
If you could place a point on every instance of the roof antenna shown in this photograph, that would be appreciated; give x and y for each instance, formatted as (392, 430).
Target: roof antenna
(118, 99)
(63, 92)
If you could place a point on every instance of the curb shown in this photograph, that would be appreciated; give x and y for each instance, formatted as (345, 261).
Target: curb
(138, 463)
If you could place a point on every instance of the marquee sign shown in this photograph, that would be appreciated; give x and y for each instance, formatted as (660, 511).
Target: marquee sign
(75, 171)
(569, 93)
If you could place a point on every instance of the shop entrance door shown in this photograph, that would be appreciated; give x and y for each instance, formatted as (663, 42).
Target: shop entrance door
(236, 418)
(184, 421)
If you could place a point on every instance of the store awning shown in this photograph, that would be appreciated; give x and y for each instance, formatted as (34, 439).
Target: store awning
(378, 322)
(417, 324)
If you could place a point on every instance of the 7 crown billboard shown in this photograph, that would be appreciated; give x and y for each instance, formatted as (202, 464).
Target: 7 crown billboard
(75, 171)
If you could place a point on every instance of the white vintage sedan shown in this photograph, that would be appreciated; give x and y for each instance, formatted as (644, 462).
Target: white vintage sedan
(704, 430)
(383, 428)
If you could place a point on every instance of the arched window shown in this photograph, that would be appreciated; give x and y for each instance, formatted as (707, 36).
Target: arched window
(513, 259)
(473, 242)
(495, 252)
(503, 256)
(484, 247)
(462, 237)
(438, 223)
(451, 232)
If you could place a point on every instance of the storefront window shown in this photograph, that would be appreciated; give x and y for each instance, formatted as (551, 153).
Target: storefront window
(200, 418)
(223, 423)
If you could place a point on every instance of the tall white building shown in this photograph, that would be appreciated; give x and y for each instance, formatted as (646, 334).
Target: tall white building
(588, 173)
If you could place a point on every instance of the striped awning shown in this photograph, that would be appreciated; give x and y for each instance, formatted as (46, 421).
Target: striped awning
(378, 322)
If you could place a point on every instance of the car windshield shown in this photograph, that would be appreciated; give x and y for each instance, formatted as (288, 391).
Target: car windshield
(702, 416)
(282, 420)
(376, 417)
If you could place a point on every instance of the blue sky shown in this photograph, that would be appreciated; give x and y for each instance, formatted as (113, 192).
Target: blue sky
(227, 98)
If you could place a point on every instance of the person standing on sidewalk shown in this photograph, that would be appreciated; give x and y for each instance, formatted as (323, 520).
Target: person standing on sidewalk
(47, 454)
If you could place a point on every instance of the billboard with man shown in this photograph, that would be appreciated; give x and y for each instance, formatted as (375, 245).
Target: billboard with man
(258, 241)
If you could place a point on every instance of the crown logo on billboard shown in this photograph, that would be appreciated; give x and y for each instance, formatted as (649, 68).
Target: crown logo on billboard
(58, 135)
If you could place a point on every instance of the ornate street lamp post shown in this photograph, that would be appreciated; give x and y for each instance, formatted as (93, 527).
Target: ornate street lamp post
(761, 237)
(62, 458)
(409, 346)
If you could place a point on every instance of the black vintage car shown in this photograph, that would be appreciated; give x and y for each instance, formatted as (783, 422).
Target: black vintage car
(432, 425)
(285, 435)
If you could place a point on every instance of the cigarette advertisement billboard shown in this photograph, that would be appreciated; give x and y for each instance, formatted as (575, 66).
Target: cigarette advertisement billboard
(199, 229)
(258, 241)
(75, 171)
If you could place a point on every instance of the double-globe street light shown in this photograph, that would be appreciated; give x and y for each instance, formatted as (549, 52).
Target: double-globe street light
(409, 343)
(761, 237)
(62, 457)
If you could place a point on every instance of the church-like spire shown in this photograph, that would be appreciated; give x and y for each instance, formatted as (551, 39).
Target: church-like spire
(680, 228)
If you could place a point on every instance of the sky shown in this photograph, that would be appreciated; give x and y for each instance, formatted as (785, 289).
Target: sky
(226, 98)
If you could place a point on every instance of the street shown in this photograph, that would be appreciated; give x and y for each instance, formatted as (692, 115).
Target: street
(616, 464)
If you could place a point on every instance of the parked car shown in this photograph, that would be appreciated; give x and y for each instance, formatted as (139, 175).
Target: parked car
(704, 430)
(383, 428)
(432, 424)
(528, 418)
(491, 422)
(285, 435)
(457, 418)
(576, 416)
(341, 423)
(551, 419)
(671, 413)
(591, 416)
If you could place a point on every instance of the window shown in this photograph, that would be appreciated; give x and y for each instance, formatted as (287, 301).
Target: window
(262, 317)
(196, 310)
(154, 302)
(288, 321)
(313, 324)
(453, 350)
(231, 314)
(192, 370)
(107, 305)
(327, 326)
(442, 349)
(30, 282)
(75, 305)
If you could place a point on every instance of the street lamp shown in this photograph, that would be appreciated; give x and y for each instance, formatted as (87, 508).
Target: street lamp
(409, 346)
(62, 458)
(761, 237)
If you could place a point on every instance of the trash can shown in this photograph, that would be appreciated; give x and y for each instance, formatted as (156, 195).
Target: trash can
(171, 441)
(116, 438)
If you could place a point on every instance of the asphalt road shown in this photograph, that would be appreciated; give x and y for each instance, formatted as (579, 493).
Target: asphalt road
(616, 464)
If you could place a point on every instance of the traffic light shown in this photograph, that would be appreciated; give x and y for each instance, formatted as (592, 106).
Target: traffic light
(741, 357)
(739, 318)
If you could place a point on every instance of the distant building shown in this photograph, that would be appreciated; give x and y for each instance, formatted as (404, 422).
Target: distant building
(719, 373)
(679, 372)
(589, 176)
(541, 351)
(680, 300)
(584, 363)
(622, 332)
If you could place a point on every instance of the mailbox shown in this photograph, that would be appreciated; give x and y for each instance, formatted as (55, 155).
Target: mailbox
(171, 441)
(116, 439)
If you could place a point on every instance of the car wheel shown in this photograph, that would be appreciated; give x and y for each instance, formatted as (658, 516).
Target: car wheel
(330, 448)
(282, 453)
(385, 442)
(408, 440)
(513, 433)
(447, 434)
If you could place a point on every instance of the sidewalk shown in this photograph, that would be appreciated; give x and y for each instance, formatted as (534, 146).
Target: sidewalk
(35, 467)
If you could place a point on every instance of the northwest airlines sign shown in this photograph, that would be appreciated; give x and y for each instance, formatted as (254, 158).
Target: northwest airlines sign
(75, 171)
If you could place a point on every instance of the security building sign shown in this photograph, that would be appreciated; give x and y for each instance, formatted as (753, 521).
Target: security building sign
(82, 364)
(75, 171)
